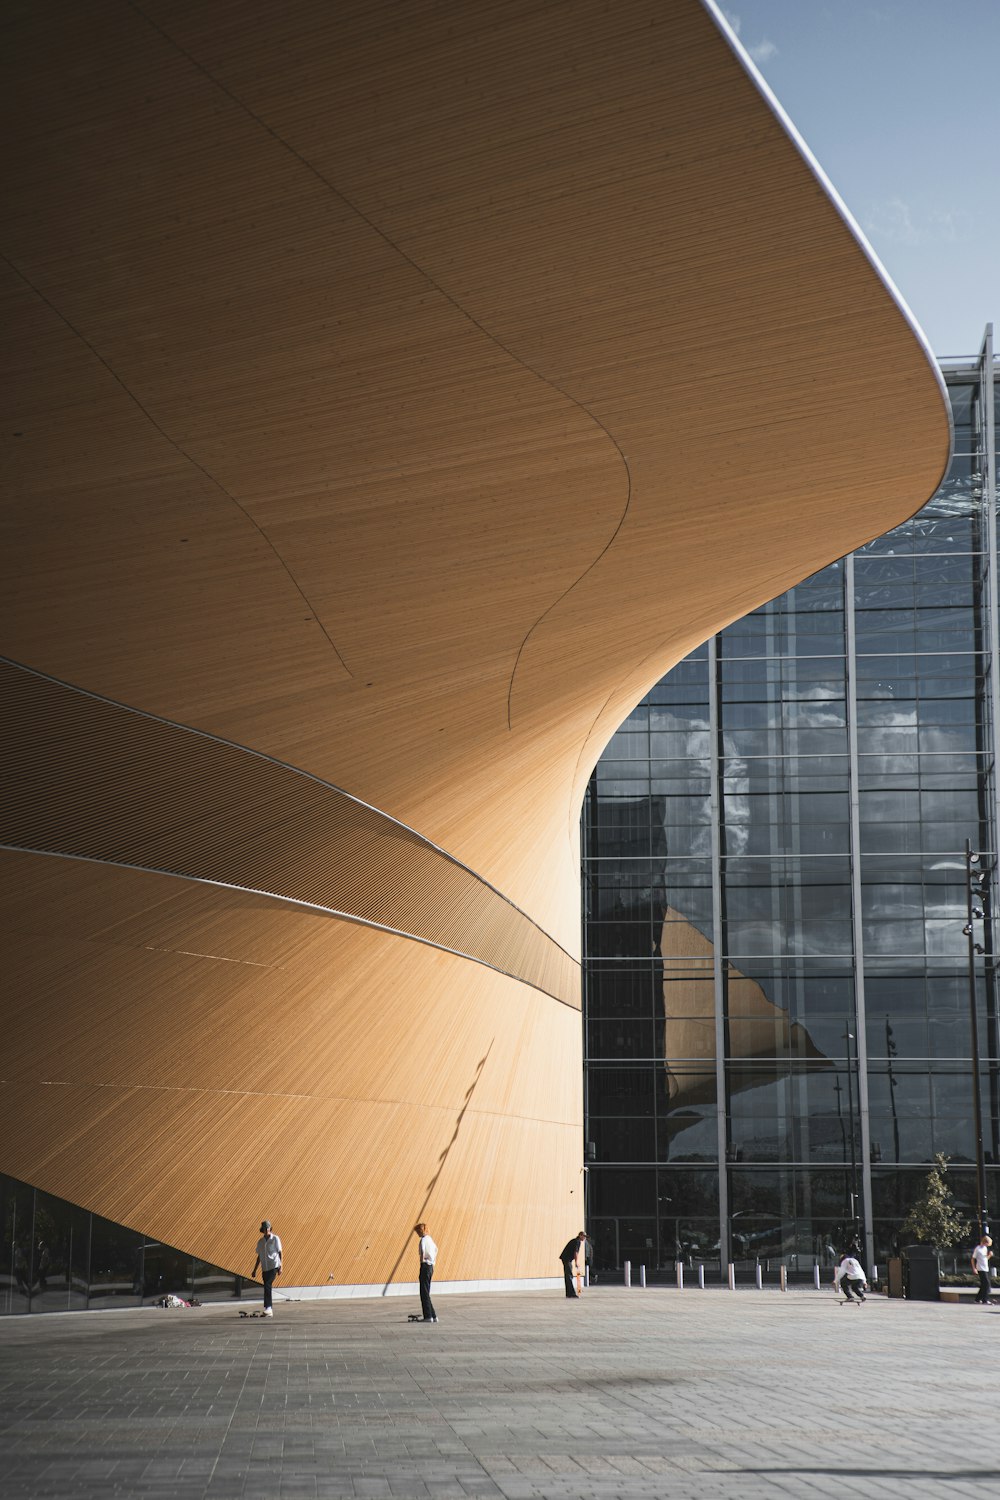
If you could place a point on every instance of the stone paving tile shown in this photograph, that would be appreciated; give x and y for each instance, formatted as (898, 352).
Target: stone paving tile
(753, 1396)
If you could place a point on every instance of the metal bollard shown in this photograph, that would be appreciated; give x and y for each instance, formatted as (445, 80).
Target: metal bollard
(783, 1278)
(586, 1275)
(642, 1276)
(701, 1277)
(760, 1283)
(816, 1276)
(732, 1277)
(628, 1273)
(874, 1274)
(679, 1267)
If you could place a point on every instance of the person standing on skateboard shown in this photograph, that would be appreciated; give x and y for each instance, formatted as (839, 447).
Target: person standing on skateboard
(428, 1256)
(269, 1260)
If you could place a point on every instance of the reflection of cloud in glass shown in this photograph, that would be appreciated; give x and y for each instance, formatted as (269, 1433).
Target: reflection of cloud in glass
(957, 499)
(882, 743)
(665, 720)
(737, 790)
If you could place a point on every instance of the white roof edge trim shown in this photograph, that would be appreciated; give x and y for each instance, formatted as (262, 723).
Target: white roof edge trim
(781, 114)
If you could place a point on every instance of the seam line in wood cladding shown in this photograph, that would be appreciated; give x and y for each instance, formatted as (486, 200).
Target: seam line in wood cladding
(408, 282)
(88, 778)
(178, 448)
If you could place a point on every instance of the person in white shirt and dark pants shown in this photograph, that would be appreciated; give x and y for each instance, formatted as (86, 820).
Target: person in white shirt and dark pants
(851, 1279)
(981, 1257)
(269, 1260)
(428, 1256)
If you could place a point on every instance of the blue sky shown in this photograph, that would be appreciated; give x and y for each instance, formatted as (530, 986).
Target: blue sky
(897, 100)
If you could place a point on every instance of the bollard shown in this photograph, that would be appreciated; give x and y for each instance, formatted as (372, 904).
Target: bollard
(816, 1276)
(642, 1276)
(701, 1277)
(679, 1267)
(783, 1277)
(628, 1273)
(874, 1275)
(586, 1275)
(732, 1277)
(760, 1284)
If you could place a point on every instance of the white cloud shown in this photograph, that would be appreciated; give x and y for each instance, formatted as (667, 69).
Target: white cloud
(763, 51)
(895, 221)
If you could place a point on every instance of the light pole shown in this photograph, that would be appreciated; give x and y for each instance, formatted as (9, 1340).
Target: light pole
(739, 1214)
(849, 1038)
(976, 891)
(890, 1052)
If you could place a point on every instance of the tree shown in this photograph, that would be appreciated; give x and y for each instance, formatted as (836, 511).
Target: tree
(934, 1218)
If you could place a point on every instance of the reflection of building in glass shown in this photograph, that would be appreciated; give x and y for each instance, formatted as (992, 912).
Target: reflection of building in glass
(777, 991)
(57, 1257)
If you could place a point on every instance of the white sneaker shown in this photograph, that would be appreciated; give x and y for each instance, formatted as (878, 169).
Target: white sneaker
(269, 1312)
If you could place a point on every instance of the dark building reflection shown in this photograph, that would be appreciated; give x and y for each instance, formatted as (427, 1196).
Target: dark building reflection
(776, 981)
(56, 1257)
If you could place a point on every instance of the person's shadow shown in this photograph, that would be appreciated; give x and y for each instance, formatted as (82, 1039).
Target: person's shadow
(441, 1164)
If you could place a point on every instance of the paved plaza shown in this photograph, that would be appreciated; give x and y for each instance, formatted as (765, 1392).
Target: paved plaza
(714, 1395)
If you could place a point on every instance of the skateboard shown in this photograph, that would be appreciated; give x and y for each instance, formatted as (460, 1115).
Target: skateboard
(415, 1318)
(251, 1315)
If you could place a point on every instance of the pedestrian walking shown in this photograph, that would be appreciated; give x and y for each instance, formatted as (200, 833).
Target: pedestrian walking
(981, 1257)
(570, 1257)
(269, 1260)
(428, 1260)
(850, 1277)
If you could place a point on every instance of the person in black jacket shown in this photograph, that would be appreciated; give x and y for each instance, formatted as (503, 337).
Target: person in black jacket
(570, 1257)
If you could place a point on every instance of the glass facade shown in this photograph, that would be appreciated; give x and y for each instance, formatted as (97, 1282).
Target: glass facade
(55, 1257)
(777, 981)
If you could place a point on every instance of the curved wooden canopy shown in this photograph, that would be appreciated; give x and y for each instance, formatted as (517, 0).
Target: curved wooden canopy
(396, 392)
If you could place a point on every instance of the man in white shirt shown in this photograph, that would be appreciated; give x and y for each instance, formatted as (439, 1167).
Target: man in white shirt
(981, 1257)
(269, 1260)
(428, 1256)
(851, 1279)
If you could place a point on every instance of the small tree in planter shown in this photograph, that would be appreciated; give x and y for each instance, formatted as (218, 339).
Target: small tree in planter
(934, 1218)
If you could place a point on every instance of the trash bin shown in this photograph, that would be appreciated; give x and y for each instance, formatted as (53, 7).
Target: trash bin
(895, 1276)
(922, 1273)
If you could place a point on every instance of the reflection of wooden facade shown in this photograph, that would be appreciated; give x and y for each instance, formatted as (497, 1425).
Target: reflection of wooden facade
(395, 395)
(755, 1026)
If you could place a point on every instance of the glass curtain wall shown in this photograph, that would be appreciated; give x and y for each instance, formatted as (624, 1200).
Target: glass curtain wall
(777, 999)
(56, 1257)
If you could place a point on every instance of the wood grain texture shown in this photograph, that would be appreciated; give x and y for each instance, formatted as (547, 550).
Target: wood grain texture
(186, 1059)
(397, 390)
(90, 779)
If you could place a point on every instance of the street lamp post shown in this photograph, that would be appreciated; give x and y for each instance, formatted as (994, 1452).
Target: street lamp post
(976, 890)
(849, 1038)
(740, 1213)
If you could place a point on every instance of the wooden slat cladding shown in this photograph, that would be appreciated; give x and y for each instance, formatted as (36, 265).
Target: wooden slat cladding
(395, 390)
(187, 1058)
(519, 338)
(93, 779)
